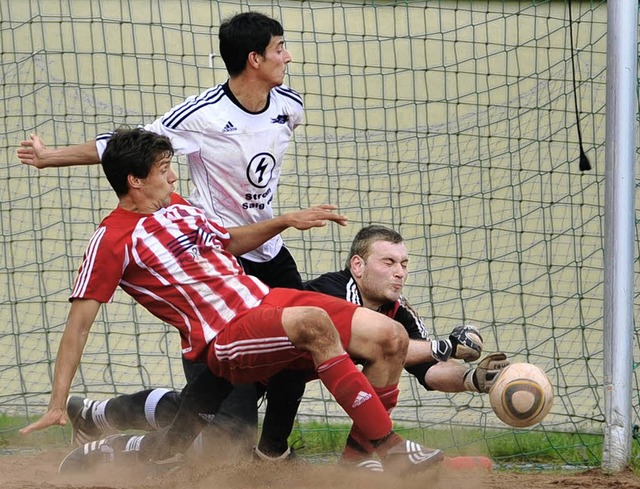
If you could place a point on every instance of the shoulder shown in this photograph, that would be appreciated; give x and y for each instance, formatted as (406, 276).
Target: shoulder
(193, 110)
(107, 245)
(331, 283)
(116, 227)
(410, 319)
(288, 97)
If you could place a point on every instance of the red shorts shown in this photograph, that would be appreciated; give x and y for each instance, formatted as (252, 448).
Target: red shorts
(254, 347)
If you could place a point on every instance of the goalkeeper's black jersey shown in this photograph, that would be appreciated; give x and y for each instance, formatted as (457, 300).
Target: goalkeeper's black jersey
(342, 285)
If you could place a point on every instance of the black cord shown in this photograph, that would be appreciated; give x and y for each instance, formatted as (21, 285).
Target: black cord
(585, 165)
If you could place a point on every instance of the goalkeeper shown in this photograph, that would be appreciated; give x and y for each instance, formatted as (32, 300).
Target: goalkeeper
(375, 273)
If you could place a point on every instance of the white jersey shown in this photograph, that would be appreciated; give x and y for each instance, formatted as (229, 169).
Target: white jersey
(235, 157)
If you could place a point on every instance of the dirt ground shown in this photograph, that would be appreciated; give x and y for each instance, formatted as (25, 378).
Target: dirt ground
(40, 471)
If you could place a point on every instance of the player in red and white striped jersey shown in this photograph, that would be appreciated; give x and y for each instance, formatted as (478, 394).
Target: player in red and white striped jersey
(149, 254)
(181, 267)
(374, 277)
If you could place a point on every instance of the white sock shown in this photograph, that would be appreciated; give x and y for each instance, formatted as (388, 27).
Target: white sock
(99, 416)
(151, 404)
(133, 444)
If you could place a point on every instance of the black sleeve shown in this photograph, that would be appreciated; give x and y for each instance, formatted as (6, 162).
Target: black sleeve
(419, 371)
(332, 283)
(411, 322)
(416, 330)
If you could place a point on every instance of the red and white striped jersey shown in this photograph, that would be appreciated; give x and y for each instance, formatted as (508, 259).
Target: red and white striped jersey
(174, 263)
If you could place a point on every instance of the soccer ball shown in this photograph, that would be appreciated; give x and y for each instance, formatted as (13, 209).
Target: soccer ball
(522, 395)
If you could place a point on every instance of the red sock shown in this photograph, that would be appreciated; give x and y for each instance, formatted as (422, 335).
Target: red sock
(355, 394)
(389, 398)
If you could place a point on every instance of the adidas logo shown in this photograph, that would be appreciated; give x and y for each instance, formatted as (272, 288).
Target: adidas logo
(360, 398)
(229, 127)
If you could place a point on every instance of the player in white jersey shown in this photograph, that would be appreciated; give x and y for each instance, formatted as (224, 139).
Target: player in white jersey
(234, 137)
(235, 157)
(180, 265)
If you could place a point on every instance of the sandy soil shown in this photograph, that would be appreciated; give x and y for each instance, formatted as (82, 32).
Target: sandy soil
(40, 471)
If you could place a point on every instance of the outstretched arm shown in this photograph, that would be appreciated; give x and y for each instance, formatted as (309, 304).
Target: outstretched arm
(249, 237)
(81, 316)
(464, 343)
(33, 152)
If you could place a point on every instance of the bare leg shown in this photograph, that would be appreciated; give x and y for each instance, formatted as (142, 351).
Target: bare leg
(382, 342)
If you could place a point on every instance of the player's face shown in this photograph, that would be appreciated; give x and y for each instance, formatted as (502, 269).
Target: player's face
(275, 61)
(159, 184)
(383, 274)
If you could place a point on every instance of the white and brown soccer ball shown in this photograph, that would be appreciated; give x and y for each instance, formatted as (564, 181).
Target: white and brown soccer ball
(522, 395)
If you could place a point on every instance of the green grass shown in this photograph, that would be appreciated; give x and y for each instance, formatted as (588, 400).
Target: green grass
(12, 440)
(504, 447)
(508, 448)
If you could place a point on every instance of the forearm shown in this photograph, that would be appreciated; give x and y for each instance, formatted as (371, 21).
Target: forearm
(446, 377)
(74, 338)
(420, 351)
(249, 237)
(67, 361)
(78, 154)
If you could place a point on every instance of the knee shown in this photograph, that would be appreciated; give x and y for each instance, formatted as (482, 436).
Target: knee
(394, 341)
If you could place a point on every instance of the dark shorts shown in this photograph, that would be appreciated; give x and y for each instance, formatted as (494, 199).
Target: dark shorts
(280, 271)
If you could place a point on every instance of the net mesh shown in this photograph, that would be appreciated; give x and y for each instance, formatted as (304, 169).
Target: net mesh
(452, 122)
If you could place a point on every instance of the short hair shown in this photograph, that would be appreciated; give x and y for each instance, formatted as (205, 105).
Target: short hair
(244, 33)
(361, 244)
(132, 152)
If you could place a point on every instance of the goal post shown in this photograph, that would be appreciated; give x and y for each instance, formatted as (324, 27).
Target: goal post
(453, 122)
(620, 206)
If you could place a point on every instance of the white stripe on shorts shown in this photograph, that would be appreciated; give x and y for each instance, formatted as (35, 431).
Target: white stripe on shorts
(252, 347)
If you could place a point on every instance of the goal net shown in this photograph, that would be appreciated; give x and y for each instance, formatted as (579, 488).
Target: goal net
(453, 122)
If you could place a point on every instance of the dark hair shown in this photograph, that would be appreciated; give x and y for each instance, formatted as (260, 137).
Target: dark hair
(244, 33)
(363, 240)
(132, 152)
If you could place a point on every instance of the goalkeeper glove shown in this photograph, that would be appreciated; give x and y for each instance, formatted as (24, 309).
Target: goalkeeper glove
(441, 350)
(482, 378)
(467, 343)
(464, 343)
